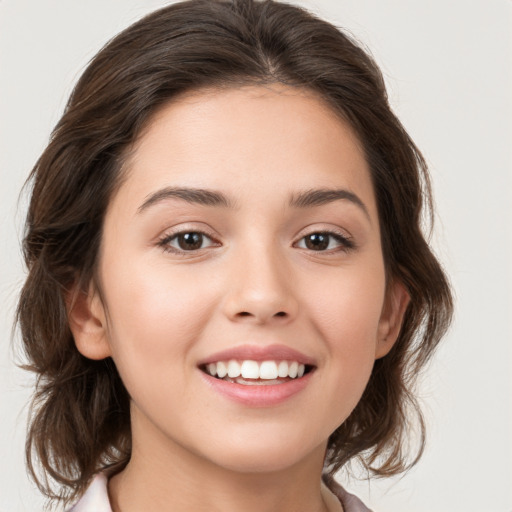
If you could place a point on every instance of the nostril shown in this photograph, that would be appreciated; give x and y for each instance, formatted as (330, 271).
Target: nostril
(260, 315)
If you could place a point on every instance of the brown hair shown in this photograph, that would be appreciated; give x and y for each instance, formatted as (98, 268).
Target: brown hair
(80, 420)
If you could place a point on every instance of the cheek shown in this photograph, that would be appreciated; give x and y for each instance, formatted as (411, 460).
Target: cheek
(155, 319)
(347, 318)
(155, 315)
(347, 307)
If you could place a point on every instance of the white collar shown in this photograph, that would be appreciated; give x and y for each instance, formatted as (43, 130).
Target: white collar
(95, 498)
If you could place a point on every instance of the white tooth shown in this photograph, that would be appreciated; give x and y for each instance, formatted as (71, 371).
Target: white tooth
(222, 370)
(282, 370)
(249, 370)
(233, 369)
(301, 370)
(212, 369)
(292, 370)
(268, 370)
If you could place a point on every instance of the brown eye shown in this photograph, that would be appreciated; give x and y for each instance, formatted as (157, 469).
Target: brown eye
(190, 241)
(317, 241)
(324, 241)
(186, 241)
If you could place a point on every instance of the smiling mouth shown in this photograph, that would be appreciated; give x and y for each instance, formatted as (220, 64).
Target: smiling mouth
(257, 373)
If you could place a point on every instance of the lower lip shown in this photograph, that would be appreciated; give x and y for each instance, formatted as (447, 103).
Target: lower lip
(258, 396)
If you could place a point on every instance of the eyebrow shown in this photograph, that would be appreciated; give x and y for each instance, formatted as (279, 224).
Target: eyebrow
(190, 195)
(207, 197)
(319, 197)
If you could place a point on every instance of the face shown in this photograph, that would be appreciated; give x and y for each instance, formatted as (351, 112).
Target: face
(245, 237)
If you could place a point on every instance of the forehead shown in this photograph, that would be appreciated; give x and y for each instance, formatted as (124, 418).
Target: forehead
(248, 138)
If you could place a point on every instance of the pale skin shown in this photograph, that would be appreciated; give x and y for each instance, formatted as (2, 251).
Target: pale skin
(255, 278)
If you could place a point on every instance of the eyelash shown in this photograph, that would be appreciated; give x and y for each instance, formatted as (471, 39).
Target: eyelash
(345, 243)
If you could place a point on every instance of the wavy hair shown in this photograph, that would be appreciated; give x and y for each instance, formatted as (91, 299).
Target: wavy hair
(80, 419)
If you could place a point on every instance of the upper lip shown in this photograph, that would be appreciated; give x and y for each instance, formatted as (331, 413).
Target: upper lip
(259, 353)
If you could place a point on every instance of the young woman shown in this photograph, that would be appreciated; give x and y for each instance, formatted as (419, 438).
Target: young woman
(229, 292)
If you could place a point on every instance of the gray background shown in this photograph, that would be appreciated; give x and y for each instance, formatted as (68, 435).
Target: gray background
(448, 68)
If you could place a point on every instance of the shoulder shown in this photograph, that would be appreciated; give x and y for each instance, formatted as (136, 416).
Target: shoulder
(95, 498)
(349, 502)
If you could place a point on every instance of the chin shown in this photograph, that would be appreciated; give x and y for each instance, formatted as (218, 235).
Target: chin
(264, 454)
(251, 464)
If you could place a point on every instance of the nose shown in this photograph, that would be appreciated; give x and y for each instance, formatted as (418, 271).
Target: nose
(261, 290)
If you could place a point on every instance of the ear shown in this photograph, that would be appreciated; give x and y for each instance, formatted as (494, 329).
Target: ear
(87, 321)
(395, 304)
